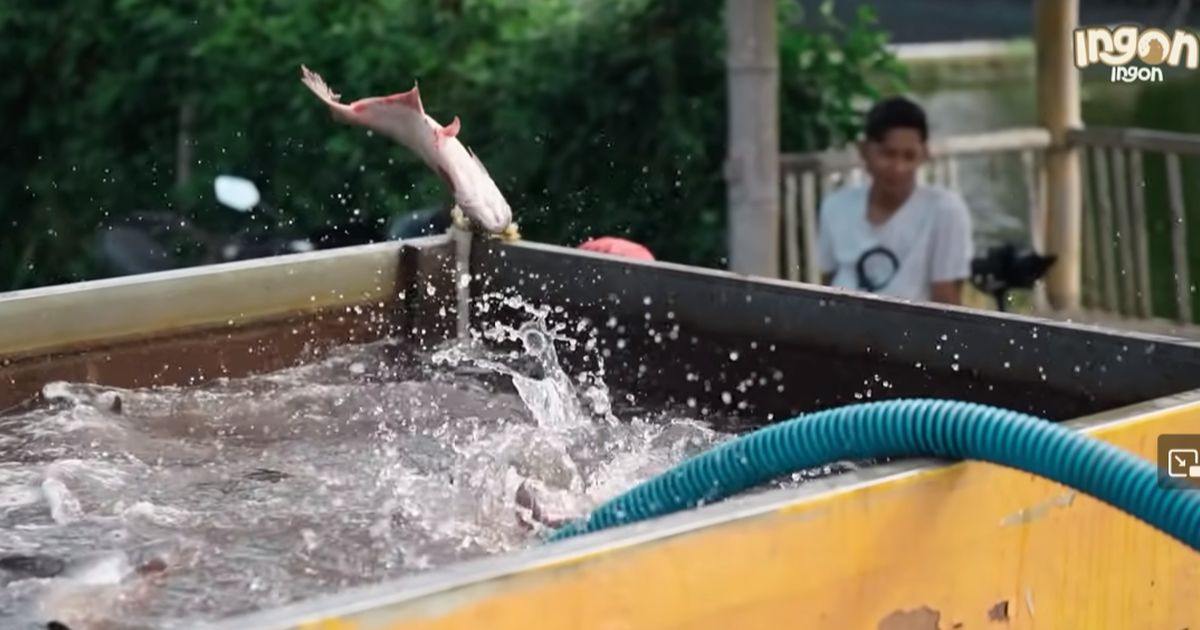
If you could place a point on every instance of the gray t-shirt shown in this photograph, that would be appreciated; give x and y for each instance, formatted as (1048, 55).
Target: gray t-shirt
(927, 240)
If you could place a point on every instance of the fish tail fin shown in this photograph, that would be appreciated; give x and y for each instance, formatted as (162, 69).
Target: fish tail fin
(317, 85)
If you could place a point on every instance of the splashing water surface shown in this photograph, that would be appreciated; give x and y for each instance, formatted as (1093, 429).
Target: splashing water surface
(261, 491)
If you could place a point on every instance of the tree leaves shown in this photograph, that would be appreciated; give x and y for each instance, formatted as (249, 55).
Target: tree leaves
(596, 116)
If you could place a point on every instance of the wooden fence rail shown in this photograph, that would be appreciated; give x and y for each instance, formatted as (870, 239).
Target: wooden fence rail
(1119, 271)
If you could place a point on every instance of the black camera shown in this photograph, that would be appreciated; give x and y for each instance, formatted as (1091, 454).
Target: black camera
(1006, 267)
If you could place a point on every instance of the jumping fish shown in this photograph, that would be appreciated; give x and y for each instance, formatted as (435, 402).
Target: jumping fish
(402, 118)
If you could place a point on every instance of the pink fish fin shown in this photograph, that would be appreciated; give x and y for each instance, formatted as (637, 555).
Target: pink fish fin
(317, 85)
(478, 162)
(377, 112)
(449, 131)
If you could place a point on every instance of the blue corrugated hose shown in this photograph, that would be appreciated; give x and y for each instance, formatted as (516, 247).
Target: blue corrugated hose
(909, 428)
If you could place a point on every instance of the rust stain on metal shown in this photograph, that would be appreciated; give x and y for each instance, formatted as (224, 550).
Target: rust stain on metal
(923, 618)
(1039, 511)
(999, 612)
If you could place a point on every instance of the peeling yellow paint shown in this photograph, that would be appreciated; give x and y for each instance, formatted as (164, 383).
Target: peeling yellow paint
(1040, 510)
(923, 618)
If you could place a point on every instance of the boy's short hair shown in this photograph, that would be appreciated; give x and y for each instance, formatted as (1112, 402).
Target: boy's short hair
(896, 112)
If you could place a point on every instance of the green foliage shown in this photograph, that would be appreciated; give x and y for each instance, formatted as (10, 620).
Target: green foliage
(595, 116)
(831, 75)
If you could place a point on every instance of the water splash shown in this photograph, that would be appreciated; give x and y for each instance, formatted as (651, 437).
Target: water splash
(64, 508)
(354, 469)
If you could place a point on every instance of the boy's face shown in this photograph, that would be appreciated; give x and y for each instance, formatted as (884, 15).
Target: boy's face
(893, 163)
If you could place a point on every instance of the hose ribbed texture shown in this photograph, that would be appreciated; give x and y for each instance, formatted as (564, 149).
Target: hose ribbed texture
(909, 428)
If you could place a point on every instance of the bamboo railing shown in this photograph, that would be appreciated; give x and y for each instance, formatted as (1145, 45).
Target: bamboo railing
(1119, 270)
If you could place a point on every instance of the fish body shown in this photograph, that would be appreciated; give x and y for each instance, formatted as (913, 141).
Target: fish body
(402, 117)
(541, 506)
(101, 595)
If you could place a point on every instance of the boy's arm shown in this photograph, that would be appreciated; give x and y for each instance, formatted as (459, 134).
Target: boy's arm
(952, 251)
(947, 292)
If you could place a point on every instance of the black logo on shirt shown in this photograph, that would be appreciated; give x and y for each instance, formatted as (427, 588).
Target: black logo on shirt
(876, 268)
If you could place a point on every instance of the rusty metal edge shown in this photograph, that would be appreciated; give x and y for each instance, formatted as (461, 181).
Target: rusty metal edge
(439, 589)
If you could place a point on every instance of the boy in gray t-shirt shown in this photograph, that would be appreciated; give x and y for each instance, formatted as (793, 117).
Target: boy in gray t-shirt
(894, 236)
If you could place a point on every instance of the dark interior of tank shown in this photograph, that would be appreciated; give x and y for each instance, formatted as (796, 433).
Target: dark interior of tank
(677, 333)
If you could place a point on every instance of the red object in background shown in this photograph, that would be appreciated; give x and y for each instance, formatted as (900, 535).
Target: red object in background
(617, 247)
